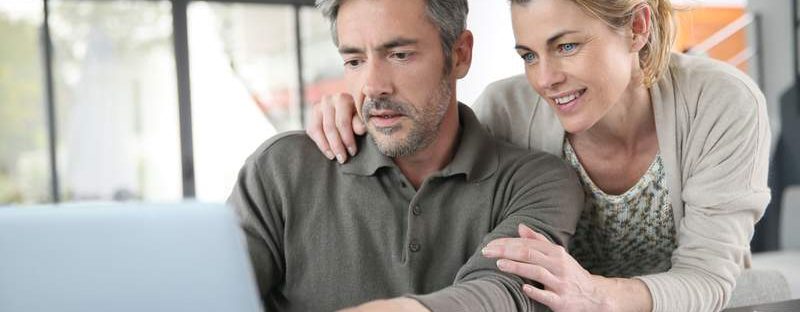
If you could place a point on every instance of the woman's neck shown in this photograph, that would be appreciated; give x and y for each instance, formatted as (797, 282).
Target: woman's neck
(628, 123)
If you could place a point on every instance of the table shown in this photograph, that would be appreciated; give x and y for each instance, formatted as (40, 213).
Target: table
(781, 306)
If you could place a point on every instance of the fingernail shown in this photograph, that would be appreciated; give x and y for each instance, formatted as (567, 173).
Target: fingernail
(340, 158)
(527, 288)
(502, 265)
(489, 251)
(351, 150)
(329, 154)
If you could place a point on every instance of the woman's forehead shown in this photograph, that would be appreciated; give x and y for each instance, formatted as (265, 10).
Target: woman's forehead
(541, 20)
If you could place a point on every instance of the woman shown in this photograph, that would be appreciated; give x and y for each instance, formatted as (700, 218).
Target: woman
(672, 152)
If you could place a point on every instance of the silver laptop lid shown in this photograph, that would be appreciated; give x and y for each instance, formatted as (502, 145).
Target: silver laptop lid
(132, 257)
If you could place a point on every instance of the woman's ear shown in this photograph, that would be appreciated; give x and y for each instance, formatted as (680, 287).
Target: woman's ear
(641, 22)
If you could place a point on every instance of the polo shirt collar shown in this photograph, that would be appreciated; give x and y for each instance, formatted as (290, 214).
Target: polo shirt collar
(368, 160)
(476, 154)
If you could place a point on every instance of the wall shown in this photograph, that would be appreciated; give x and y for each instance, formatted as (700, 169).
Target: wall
(493, 55)
(776, 37)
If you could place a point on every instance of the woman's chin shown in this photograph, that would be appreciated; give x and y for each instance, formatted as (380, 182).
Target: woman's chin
(574, 125)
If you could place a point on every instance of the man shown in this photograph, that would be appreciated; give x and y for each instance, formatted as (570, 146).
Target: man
(409, 214)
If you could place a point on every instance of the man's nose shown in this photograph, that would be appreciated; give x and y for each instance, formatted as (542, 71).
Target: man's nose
(377, 81)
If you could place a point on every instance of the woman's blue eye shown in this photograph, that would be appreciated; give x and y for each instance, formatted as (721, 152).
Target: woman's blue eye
(569, 47)
(528, 57)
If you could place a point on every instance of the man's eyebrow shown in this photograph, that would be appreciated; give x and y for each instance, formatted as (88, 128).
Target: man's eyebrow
(398, 42)
(391, 44)
(343, 49)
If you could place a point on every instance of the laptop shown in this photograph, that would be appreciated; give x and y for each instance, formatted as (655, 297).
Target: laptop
(124, 257)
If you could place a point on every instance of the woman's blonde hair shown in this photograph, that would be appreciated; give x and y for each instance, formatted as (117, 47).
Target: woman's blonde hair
(654, 56)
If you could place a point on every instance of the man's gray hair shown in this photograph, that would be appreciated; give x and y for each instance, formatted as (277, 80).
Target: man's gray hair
(449, 16)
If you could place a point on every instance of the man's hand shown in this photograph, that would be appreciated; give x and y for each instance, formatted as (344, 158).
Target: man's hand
(333, 126)
(389, 305)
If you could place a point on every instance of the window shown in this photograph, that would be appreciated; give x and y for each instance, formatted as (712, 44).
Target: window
(243, 75)
(323, 72)
(245, 86)
(24, 166)
(116, 100)
(254, 68)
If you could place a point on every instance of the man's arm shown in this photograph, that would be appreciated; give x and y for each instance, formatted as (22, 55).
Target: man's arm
(540, 191)
(544, 195)
(261, 221)
(400, 304)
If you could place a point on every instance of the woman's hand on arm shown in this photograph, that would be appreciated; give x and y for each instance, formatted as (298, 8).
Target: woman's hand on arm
(566, 285)
(333, 125)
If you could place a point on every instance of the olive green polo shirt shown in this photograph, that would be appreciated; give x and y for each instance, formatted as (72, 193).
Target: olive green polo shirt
(324, 236)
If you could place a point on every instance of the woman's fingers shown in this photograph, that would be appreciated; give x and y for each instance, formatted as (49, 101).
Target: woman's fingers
(526, 232)
(344, 109)
(526, 254)
(504, 244)
(332, 133)
(315, 132)
(332, 125)
(530, 271)
(542, 296)
(359, 128)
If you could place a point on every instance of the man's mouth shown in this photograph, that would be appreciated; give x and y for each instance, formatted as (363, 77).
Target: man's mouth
(385, 118)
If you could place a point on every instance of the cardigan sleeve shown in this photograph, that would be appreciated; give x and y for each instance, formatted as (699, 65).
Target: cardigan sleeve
(725, 155)
(493, 107)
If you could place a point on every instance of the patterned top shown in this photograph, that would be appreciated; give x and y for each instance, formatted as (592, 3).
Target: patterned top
(625, 235)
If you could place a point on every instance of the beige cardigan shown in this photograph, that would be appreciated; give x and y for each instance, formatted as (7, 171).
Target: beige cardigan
(713, 134)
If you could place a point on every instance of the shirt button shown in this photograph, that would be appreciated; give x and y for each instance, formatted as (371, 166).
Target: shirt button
(416, 210)
(403, 184)
(414, 246)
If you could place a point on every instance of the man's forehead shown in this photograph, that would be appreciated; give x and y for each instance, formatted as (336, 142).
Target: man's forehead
(348, 48)
(383, 20)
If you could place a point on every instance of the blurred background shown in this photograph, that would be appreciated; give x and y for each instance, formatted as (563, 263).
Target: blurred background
(162, 100)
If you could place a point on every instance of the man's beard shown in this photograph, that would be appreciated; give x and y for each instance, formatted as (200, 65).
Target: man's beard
(425, 122)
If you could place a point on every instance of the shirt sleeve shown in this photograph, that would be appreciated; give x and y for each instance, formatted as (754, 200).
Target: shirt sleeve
(543, 194)
(261, 221)
(724, 191)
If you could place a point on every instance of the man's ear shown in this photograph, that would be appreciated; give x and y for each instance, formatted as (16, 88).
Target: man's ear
(641, 24)
(462, 54)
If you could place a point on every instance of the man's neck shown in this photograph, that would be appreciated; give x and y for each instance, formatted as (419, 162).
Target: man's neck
(420, 165)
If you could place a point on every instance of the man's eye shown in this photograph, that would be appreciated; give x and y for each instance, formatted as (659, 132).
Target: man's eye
(352, 63)
(401, 55)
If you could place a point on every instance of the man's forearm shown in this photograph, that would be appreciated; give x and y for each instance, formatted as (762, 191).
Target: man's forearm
(484, 294)
(401, 304)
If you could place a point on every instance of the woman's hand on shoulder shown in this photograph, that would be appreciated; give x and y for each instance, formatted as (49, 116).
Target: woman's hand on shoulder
(333, 125)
